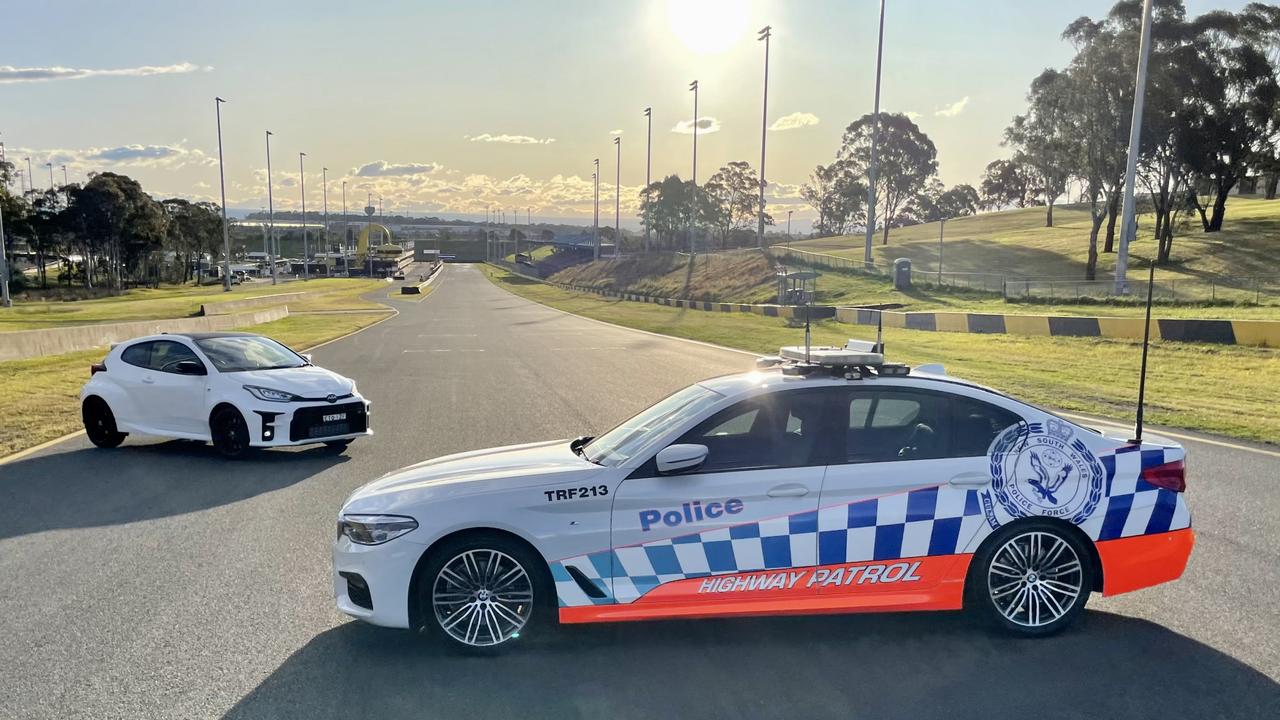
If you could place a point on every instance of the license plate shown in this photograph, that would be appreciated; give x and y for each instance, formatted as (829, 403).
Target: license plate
(334, 418)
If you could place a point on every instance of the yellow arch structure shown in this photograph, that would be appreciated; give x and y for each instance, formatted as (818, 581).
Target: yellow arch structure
(362, 241)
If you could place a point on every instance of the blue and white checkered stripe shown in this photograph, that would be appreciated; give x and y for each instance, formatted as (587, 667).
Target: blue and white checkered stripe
(1131, 505)
(929, 521)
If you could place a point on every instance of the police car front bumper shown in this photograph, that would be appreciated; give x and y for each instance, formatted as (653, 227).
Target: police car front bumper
(371, 582)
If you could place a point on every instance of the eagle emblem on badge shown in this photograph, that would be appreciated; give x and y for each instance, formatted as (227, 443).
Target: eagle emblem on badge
(1043, 469)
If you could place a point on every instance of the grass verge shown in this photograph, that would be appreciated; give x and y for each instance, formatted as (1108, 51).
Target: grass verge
(1221, 389)
(39, 397)
(185, 301)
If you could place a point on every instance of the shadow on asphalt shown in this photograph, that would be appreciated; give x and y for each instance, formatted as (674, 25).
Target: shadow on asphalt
(873, 666)
(141, 482)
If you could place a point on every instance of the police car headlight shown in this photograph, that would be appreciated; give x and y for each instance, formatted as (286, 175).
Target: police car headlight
(374, 529)
(271, 394)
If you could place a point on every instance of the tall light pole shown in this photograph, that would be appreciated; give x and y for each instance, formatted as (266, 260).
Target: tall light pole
(306, 253)
(222, 184)
(693, 86)
(789, 225)
(1129, 226)
(50, 166)
(345, 245)
(595, 222)
(648, 167)
(5, 300)
(873, 170)
(271, 215)
(65, 181)
(368, 231)
(617, 199)
(31, 178)
(765, 34)
(324, 179)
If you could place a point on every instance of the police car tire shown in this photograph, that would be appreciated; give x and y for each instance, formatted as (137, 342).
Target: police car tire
(541, 618)
(979, 596)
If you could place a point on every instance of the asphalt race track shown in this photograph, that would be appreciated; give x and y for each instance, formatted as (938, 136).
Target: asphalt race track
(157, 581)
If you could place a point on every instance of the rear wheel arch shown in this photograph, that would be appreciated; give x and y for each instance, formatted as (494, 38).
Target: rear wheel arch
(416, 617)
(1095, 561)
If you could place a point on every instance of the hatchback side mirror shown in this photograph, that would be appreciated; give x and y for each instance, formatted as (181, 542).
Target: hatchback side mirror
(678, 458)
(307, 357)
(189, 367)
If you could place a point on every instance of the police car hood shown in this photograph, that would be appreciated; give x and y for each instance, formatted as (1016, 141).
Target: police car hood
(478, 471)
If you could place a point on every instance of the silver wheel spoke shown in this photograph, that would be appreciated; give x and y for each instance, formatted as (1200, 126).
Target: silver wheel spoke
(1035, 578)
(482, 597)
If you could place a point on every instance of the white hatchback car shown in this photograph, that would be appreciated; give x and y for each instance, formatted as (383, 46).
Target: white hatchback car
(237, 390)
(810, 488)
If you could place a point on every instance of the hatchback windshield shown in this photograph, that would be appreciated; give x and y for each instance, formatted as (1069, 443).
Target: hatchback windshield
(633, 436)
(241, 353)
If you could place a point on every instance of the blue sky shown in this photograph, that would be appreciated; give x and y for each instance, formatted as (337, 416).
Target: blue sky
(459, 106)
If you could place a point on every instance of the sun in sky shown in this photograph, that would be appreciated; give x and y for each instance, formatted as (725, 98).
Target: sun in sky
(708, 27)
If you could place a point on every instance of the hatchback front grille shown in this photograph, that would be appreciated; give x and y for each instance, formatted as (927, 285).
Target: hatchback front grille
(321, 421)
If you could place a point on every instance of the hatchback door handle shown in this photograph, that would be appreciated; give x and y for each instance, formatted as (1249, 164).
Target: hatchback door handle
(148, 381)
(788, 490)
(971, 479)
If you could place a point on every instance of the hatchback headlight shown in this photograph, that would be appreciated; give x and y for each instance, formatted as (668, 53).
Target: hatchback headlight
(374, 529)
(270, 394)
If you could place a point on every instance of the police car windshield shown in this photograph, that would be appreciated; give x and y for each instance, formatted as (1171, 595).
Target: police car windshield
(640, 432)
(245, 352)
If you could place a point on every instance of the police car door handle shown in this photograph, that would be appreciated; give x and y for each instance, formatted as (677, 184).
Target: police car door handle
(971, 479)
(148, 380)
(788, 490)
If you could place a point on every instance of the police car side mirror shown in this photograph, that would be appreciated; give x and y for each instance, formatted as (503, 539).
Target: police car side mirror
(306, 357)
(679, 458)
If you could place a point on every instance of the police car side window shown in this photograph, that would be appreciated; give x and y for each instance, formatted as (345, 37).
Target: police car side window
(887, 425)
(779, 430)
(138, 355)
(975, 425)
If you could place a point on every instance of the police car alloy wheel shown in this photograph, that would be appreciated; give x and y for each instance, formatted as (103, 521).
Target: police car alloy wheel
(482, 595)
(1033, 580)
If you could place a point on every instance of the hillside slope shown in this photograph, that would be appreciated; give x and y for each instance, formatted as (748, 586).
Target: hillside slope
(1017, 242)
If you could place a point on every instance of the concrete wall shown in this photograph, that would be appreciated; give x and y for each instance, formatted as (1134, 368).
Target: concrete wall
(230, 306)
(22, 344)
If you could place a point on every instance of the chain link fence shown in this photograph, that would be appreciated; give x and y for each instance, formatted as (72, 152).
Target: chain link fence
(1257, 290)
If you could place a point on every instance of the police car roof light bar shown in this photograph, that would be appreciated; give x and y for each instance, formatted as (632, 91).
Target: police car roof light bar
(1142, 376)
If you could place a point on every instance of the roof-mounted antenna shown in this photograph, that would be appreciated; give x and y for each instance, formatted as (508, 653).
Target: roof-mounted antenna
(807, 336)
(1142, 376)
(879, 332)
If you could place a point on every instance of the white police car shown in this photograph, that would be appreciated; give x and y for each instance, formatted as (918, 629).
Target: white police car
(841, 484)
(237, 390)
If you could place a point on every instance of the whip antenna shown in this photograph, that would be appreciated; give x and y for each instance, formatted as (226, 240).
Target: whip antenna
(1142, 376)
(879, 332)
(807, 336)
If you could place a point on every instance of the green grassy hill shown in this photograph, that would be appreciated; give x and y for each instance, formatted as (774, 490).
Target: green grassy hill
(1017, 242)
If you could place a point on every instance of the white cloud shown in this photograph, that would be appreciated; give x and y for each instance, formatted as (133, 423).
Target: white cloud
(511, 139)
(953, 109)
(11, 74)
(705, 125)
(793, 121)
(164, 156)
(912, 115)
(382, 168)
